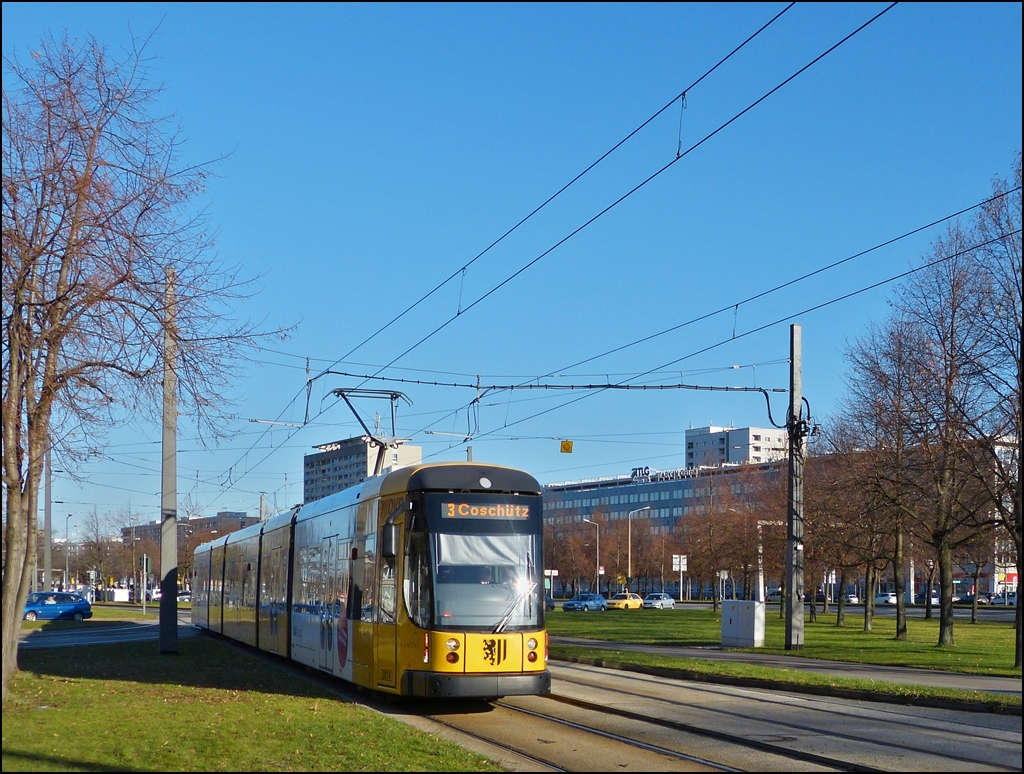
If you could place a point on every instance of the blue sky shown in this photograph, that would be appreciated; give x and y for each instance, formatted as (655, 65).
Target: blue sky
(373, 150)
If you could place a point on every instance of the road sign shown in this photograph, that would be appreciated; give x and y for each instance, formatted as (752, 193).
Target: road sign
(551, 573)
(679, 562)
(566, 447)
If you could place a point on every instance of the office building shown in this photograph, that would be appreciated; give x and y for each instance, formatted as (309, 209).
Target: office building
(341, 464)
(712, 446)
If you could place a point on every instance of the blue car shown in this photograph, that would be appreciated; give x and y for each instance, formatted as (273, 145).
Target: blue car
(586, 603)
(51, 605)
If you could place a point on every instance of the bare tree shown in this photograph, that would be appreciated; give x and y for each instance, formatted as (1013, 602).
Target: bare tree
(97, 551)
(972, 555)
(126, 521)
(882, 387)
(710, 535)
(930, 387)
(947, 306)
(997, 263)
(836, 511)
(98, 209)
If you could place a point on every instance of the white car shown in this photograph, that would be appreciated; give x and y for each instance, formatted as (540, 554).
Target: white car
(886, 599)
(659, 601)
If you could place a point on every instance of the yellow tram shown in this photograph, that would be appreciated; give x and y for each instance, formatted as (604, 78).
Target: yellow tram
(425, 581)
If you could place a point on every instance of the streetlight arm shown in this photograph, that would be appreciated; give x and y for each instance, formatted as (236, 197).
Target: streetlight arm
(629, 541)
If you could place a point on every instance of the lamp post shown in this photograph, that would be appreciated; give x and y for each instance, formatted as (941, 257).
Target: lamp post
(760, 555)
(597, 568)
(67, 547)
(629, 542)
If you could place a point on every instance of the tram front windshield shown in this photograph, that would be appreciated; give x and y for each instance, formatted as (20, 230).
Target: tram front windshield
(485, 582)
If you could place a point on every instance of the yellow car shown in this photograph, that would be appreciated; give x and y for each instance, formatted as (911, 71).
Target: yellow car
(625, 602)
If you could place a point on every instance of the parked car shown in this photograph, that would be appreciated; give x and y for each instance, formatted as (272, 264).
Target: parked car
(549, 603)
(774, 596)
(852, 599)
(1009, 598)
(659, 601)
(586, 603)
(626, 601)
(968, 599)
(184, 596)
(886, 599)
(51, 605)
(818, 598)
(922, 599)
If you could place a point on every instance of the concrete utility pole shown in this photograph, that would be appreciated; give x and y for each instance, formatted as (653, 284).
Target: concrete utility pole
(168, 487)
(796, 426)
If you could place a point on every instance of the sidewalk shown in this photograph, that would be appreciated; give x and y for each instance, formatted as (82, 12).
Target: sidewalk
(891, 674)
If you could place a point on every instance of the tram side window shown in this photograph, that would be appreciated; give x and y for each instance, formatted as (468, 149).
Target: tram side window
(369, 608)
(362, 601)
(310, 577)
(419, 596)
(387, 591)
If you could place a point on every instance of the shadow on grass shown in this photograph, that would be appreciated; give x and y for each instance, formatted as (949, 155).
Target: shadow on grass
(208, 661)
(26, 761)
(201, 662)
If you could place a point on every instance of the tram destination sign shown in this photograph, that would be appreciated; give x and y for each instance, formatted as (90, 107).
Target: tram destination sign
(485, 510)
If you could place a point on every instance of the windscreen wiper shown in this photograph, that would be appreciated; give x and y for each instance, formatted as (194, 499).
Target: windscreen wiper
(512, 608)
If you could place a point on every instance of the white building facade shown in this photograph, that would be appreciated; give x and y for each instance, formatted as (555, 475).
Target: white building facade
(713, 446)
(341, 464)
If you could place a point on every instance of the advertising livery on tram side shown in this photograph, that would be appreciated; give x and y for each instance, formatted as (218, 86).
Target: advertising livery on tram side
(425, 581)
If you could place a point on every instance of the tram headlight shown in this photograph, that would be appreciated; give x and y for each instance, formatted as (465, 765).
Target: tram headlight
(452, 644)
(531, 644)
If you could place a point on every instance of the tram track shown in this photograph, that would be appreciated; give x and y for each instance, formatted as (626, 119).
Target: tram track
(791, 731)
(832, 764)
(558, 744)
(643, 723)
(610, 720)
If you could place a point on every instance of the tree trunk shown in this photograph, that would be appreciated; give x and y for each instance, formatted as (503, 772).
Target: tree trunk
(21, 547)
(841, 602)
(946, 600)
(869, 596)
(928, 592)
(900, 580)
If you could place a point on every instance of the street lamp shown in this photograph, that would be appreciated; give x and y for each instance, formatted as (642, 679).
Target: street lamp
(597, 568)
(67, 547)
(629, 542)
(760, 555)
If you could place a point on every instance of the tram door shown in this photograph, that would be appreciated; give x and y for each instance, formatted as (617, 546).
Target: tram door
(329, 593)
(387, 634)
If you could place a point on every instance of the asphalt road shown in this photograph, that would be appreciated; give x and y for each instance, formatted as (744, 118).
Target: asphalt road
(115, 631)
